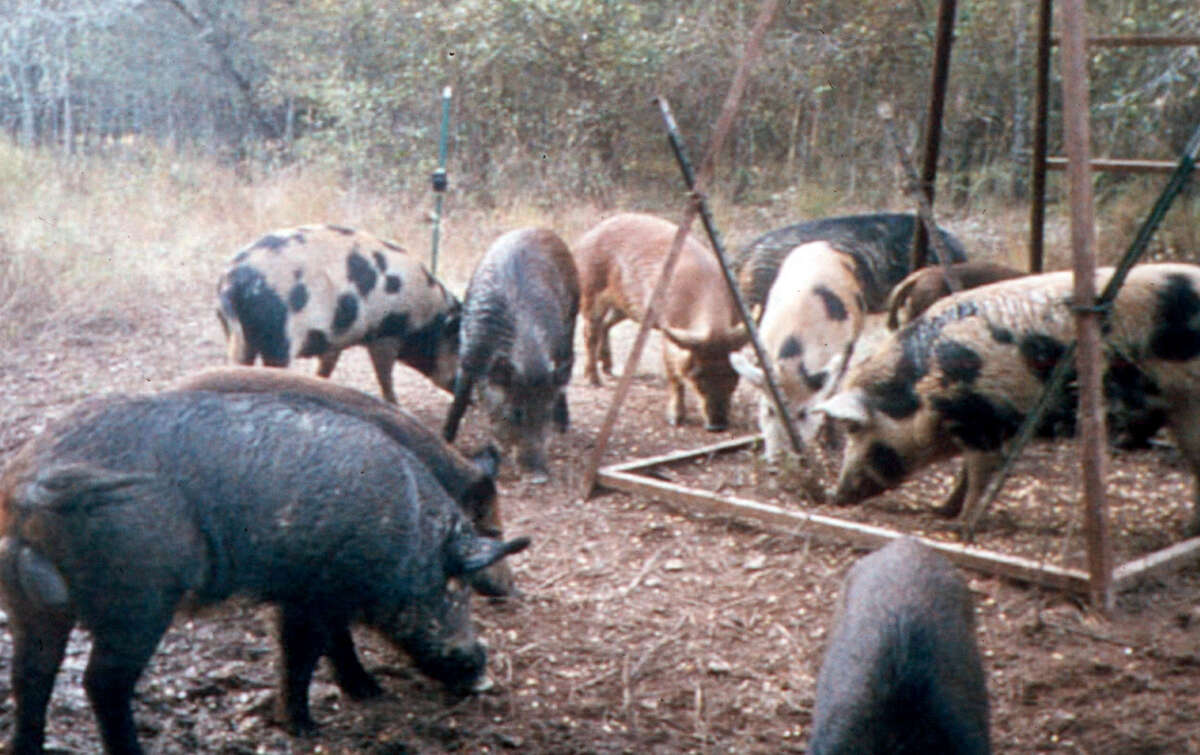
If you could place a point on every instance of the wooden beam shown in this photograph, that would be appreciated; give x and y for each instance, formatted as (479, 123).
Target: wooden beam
(1114, 165)
(766, 515)
(1130, 574)
(1138, 40)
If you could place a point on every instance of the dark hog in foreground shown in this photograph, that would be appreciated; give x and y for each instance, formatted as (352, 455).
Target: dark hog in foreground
(470, 481)
(313, 291)
(619, 262)
(961, 378)
(127, 508)
(880, 244)
(902, 671)
(517, 348)
(917, 292)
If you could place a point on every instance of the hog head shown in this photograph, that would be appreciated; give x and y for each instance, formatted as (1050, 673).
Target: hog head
(703, 362)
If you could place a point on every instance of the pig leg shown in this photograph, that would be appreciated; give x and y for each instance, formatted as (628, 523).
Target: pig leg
(978, 469)
(953, 504)
(562, 418)
(303, 639)
(1185, 427)
(39, 640)
(353, 679)
(594, 336)
(612, 318)
(384, 353)
(121, 648)
(326, 362)
(676, 409)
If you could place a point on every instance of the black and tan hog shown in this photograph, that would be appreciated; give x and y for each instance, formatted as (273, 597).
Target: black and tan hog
(313, 291)
(902, 671)
(129, 508)
(619, 262)
(814, 316)
(960, 378)
(470, 481)
(880, 244)
(517, 348)
(922, 288)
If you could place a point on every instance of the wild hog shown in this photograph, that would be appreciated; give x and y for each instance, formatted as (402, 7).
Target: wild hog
(471, 482)
(902, 671)
(961, 377)
(312, 291)
(619, 262)
(128, 507)
(517, 346)
(923, 287)
(813, 318)
(880, 244)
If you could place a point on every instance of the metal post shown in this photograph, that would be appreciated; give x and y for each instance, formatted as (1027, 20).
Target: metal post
(440, 182)
(1091, 402)
(1037, 212)
(933, 121)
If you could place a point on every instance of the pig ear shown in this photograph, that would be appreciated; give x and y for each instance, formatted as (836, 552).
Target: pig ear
(468, 552)
(502, 372)
(747, 369)
(848, 406)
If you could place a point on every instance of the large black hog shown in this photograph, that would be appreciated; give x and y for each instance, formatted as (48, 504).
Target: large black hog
(961, 378)
(127, 507)
(312, 291)
(902, 672)
(879, 243)
(470, 481)
(518, 336)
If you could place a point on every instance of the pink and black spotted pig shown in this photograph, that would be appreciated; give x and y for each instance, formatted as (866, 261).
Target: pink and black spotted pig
(961, 377)
(314, 290)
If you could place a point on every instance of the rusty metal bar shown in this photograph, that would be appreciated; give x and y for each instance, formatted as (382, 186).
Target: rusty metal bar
(933, 123)
(720, 134)
(1092, 439)
(1139, 40)
(1116, 165)
(1037, 188)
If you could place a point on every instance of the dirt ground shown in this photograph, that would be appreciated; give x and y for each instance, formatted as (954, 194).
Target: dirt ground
(640, 629)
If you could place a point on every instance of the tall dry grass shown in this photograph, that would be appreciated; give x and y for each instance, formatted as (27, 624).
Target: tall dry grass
(144, 232)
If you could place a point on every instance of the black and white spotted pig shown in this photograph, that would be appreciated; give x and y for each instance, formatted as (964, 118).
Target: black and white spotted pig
(312, 291)
(518, 336)
(813, 319)
(960, 378)
(880, 244)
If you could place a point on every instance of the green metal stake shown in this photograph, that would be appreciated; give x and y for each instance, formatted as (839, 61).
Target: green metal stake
(440, 181)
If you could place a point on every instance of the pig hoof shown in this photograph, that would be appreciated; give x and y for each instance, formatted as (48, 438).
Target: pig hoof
(483, 684)
(539, 478)
(715, 428)
(362, 689)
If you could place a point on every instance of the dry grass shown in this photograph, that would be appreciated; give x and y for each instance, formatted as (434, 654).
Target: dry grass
(141, 226)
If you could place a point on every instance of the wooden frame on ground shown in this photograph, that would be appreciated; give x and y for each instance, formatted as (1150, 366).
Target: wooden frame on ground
(635, 477)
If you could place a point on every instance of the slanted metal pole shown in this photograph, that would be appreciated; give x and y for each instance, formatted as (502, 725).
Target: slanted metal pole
(440, 182)
(689, 177)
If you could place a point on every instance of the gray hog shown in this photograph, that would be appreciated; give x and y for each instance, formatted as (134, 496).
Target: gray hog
(920, 289)
(312, 291)
(880, 244)
(902, 671)
(960, 378)
(517, 349)
(619, 261)
(129, 507)
(471, 482)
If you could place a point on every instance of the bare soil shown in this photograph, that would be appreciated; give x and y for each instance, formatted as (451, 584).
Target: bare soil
(641, 629)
